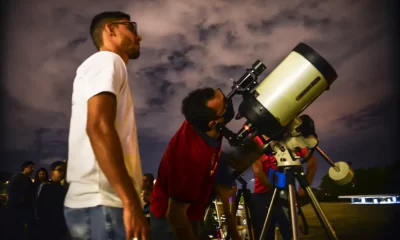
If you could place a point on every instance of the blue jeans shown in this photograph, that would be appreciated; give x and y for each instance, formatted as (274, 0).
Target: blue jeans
(160, 228)
(100, 222)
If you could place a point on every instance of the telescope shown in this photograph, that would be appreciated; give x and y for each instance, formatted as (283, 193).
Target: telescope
(272, 112)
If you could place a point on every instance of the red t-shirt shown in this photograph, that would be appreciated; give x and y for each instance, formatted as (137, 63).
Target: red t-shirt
(269, 161)
(186, 172)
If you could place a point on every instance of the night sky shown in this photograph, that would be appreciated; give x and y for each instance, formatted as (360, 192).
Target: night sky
(190, 44)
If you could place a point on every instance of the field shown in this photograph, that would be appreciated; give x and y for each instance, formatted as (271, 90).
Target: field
(355, 221)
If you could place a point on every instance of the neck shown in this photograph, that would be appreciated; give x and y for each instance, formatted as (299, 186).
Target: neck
(56, 181)
(25, 174)
(116, 51)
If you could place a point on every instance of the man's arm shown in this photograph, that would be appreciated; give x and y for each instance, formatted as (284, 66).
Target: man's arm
(186, 175)
(311, 169)
(224, 193)
(224, 188)
(180, 224)
(184, 188)
(310, 172)
(10, 187)
(260, 174)
(107, 148)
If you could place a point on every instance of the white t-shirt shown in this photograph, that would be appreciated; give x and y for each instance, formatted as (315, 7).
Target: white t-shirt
(102, 72)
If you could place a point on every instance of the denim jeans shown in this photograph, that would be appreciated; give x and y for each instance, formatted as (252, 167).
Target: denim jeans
(95, 223)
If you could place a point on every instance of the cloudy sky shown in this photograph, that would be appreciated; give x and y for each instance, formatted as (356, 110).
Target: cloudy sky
(189, 44)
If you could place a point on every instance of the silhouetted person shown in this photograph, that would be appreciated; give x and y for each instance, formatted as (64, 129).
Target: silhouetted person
(64, 182)
(49, 205)
(41, 176)
(148, 183)
(20, 193)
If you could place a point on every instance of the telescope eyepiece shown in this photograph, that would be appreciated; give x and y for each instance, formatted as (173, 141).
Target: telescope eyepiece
(258, 67)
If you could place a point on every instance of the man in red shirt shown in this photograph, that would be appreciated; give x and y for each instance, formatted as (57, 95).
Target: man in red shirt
(262, 195)
(188, 168)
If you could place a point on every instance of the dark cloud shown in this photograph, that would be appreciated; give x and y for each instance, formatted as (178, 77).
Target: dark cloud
(178, 60)
(76, 42)
(206, 33)
(383, 113)
(151, 151)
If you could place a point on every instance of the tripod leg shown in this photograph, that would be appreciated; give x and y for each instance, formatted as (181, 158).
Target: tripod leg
(237, 200)
(248, 206)
(318, 210)
(269, 214)
(293, 211)
(321, 215)
(207, 212)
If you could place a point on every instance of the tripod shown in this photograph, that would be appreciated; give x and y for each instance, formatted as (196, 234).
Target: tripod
(246, 193)
(295, 172)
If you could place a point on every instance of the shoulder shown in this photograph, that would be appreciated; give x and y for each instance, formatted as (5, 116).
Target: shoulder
(185, 145)
(44, 185)
(101, 60)
(181, 136)
(14, 177)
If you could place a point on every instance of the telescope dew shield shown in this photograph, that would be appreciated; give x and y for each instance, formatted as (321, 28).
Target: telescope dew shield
(297, 81)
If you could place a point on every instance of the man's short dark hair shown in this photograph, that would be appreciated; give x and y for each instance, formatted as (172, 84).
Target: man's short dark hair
(55, 164)
(150, 176)
(195, 109)
(26, 164)
(98, 23)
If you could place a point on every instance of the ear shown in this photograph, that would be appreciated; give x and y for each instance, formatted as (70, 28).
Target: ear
(109, 28)
(212, 124)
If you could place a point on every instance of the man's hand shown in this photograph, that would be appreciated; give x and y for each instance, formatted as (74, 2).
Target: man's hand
(179, 223)
(135, 224)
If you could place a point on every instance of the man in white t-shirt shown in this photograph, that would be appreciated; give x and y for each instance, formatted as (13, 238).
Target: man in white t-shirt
(104, 170)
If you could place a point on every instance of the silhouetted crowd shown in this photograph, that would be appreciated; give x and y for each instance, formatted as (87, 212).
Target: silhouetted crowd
(35, 208)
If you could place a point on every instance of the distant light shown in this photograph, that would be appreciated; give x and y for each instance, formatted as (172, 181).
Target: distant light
(252, 179)
(6, 182)
(373, 199)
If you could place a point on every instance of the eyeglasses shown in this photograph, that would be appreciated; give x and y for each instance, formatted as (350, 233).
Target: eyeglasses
(132, 26)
